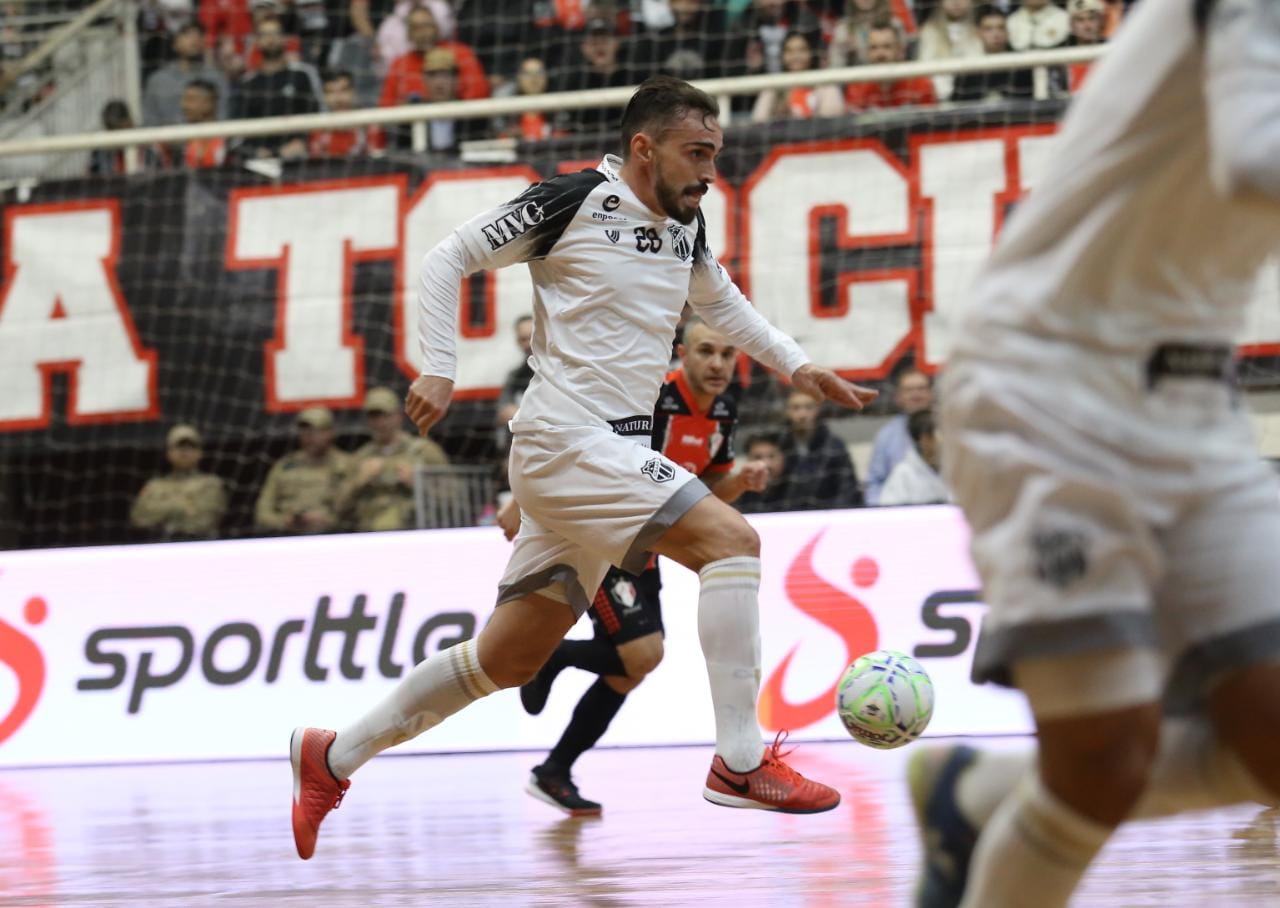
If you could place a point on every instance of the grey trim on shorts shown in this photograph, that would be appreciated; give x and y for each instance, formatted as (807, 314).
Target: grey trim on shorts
(557, 573)
(662, 520)
(1209, 660)
(998, 650)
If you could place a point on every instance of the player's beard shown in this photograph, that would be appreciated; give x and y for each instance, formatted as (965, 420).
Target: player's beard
(669, 198)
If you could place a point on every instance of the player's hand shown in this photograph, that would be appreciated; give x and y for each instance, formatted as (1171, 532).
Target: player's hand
(753, 476)
(428, 401)
(508, 518)
(823, 384)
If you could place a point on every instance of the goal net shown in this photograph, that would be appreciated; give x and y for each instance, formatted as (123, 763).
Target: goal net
(216, 286)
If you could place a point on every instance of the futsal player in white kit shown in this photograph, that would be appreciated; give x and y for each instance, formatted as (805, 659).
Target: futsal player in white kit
(614, 254)
(1126, 531)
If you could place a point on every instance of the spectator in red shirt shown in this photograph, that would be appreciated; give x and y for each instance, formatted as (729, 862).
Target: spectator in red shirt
(339, 96)
(404, 83)
(801, 102)
(885, 45)
(532, 125)
(199, 105)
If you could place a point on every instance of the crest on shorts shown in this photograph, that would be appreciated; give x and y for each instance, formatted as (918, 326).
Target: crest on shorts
(680, 241)
(1061, 556)
(624, 591)
(658, 470)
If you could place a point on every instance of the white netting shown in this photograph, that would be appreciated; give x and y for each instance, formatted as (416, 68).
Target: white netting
(204, 280)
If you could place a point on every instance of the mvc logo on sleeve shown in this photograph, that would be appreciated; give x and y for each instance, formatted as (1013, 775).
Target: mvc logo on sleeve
(658, 470)
(513, 224)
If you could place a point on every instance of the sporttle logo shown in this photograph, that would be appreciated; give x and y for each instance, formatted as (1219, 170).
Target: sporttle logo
(23, 657)
(849, 618)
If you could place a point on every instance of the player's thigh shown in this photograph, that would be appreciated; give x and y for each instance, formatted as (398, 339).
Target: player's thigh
(1097, 718)
(709, 531)
(607, 494)
(559, 570)
(520, 636)
(1244, 706)
(1219, 608)
(1062, 539)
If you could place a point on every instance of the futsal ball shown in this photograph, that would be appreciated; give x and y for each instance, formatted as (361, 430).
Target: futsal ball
(885, 699)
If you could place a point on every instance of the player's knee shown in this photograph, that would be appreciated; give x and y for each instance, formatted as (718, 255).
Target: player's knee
(736, 539)
(515, 669)
(642, 660)
(1099, 764)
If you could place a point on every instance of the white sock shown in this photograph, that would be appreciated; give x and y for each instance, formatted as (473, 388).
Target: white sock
(987, 781)
(729, 628)
(1033, 852)
(436, 689)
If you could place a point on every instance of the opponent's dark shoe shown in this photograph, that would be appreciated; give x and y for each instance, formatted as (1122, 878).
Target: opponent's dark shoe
(948, 838)
(555, 787)
(533, 696)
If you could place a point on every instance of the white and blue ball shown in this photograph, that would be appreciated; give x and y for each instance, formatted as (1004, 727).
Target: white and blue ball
(885, 699)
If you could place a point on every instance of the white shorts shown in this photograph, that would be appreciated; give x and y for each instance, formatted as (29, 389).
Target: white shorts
(1111, 507)
(588, 499)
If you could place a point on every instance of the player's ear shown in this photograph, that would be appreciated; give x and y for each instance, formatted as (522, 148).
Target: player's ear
(681, 350)
(642, 147)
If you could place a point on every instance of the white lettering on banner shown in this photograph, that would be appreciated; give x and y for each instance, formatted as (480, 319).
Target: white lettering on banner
(136, 647)
(962, 181)
(313, 235)
(61, 310)
(486, 351)
(869, 193)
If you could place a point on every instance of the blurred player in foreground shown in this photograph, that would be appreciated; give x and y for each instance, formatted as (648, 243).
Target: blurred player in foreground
(693, 426)
(1125, 528)
(614, 255)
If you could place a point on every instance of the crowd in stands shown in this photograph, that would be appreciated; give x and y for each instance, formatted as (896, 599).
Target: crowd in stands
(320, 488)
(259, 58)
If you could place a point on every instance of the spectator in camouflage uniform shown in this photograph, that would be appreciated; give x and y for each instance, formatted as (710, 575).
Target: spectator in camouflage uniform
(378, 493)
(185, 503)
(301, 491)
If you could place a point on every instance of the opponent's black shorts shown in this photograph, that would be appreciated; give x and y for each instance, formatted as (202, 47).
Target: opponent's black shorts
(627, 608)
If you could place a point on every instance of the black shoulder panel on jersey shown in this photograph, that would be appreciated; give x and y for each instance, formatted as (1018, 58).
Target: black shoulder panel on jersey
(558, 200)
(700, 250)
(724, 409)
(671, 401)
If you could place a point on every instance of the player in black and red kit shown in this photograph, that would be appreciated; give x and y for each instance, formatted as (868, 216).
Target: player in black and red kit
(693, 425)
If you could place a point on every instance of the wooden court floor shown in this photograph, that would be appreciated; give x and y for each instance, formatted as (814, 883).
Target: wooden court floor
(458, 830)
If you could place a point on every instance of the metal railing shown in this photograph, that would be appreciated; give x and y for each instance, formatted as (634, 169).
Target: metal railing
(451, 496)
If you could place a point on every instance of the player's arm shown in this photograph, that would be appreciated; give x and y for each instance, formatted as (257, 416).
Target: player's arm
(723, 306)
(1242, 92)
(730, 485)
(524, 229)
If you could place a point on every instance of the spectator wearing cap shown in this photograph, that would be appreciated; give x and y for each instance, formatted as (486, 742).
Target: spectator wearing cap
(917, 478)
(378, 492)
(405, 83)
(600, 63)
(1038, 24)
(886, 44)
(162, 99)
(301, 491)
(183, 504)
(340, 96)
(1087, 19)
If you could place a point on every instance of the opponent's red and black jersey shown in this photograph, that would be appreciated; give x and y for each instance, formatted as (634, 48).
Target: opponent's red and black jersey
(700, 442)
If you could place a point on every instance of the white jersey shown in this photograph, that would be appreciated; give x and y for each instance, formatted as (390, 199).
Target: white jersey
(610, 279)
(1160, 201)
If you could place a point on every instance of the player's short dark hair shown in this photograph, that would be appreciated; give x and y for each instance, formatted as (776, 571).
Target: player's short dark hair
(203, 85)
(910, 369)
(988, 9)
(920, 424)
(888, 24)
(660, 102)
(763, 438)
(333, 75)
